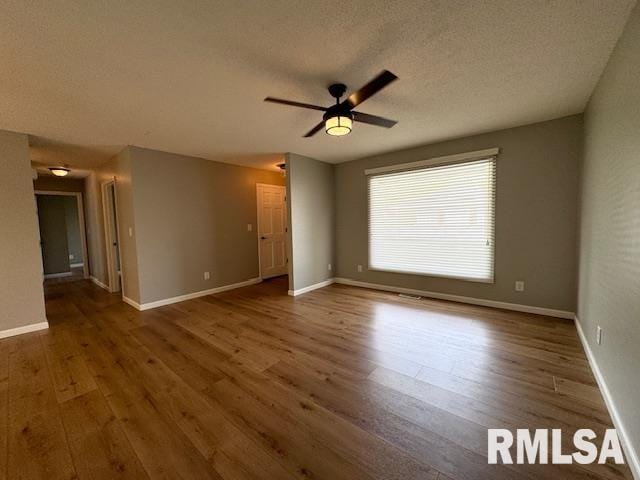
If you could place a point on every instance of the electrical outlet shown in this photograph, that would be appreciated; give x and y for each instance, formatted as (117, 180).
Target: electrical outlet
(359, 268)
(329, 267)
(599, 335)
(519, 286)
(207, 275)
(249, 227)
(71, 256)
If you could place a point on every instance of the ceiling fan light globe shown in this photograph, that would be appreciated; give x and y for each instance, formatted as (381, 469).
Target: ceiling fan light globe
(338, 126)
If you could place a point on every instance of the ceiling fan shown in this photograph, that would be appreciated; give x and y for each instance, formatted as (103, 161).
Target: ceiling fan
(338, 119)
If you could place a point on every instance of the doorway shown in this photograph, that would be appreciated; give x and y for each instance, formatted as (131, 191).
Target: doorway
(63, 241)
(112, 243)
(272, 230)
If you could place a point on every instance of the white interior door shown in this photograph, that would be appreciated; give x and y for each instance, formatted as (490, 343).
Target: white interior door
(272, 230)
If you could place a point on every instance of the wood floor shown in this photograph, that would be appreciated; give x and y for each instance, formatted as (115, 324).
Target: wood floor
(77, 273)
(339, 383)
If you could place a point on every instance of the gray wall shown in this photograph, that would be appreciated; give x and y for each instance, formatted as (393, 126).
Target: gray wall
(609, 286)
(57, 184)
(536, 215)
(74, 240)
(119, 167)
(191, 216)
(95, 229)
(312, 220)
(53, 234)
(21, 293)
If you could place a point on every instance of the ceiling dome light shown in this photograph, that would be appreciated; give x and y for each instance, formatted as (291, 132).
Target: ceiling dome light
(339, 125)
(59, 171)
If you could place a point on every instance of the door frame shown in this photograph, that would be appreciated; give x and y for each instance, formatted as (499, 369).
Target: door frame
(259, 187)
(81, 224)
(112, 270)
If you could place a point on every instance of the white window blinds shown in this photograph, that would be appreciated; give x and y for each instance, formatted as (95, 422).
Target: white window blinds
(435, 221)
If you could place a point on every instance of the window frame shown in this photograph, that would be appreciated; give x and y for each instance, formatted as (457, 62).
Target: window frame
(470, 157)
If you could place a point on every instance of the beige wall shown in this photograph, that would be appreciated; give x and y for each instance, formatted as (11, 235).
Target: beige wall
(119, 167)
(191, 216)
(21, 293)
(312, 220)
(536, 215)
(609, 285)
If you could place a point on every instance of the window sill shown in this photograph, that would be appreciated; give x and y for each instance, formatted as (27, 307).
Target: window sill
(434, 275)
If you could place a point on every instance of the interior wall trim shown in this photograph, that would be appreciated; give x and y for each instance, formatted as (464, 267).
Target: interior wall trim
(189, 296)
(315, 286)
(99, 283)
(34, 327)
(133, 303)
(58, 275)
(630, 452)
(459, 298)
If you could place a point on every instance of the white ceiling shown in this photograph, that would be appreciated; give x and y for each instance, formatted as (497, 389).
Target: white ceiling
(86, 78)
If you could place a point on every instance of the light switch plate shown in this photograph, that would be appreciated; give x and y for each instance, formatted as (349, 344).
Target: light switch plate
(249, 227)
(359, 268)
(207, 275)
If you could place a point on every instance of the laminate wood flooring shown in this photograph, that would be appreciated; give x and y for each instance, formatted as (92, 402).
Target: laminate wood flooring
(339, 383)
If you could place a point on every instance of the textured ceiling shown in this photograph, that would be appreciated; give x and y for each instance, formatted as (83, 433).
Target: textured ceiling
(86, 78)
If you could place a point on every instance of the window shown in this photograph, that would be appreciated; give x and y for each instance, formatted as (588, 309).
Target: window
(436, 220)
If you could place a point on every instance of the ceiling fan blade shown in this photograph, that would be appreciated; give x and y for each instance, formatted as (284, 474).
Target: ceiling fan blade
(370, 89)
(295, 104)
(373, 120)
(314, 130)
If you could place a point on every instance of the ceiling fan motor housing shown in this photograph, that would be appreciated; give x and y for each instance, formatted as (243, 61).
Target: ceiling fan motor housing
(337, 111)
(337, 90)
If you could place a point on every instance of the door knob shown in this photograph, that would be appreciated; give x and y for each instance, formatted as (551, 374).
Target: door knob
(263, 238)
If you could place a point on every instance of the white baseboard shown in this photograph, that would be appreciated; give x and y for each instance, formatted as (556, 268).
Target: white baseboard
(189, 296)
(631, 454)
(26, 329)
(315, 286)
(459, 298)
(133, 303)
(76, 265)
(58, 275)
(99, 283)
